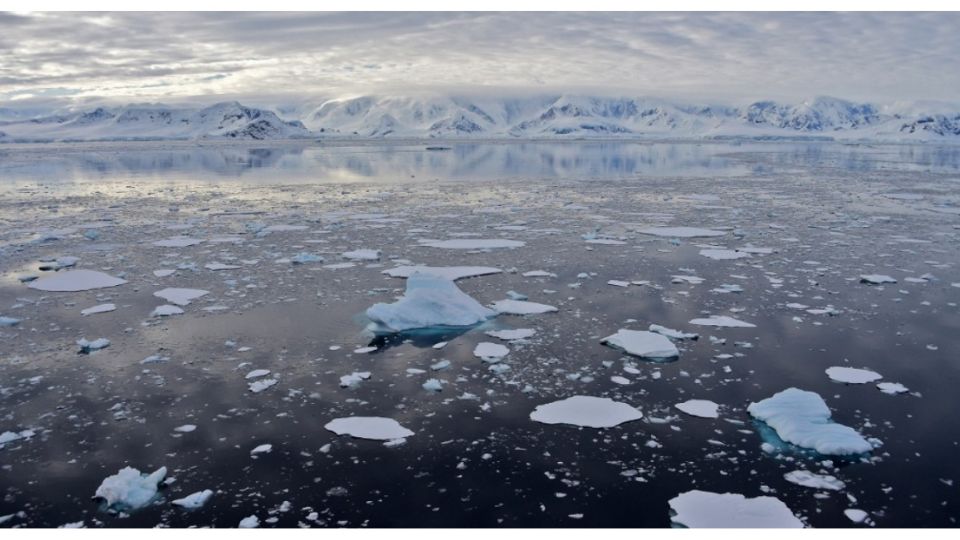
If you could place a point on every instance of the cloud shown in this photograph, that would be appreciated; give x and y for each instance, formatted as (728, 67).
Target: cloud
(704, 56)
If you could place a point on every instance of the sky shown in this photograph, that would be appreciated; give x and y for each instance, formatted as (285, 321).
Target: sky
(732, 58)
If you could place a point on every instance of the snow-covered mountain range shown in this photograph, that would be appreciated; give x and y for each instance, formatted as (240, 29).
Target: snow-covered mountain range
(531, 117)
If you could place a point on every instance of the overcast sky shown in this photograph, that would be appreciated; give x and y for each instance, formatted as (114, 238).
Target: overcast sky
(718, 57)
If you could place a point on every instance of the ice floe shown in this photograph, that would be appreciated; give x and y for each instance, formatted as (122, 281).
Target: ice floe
(642, 343)
(8, 321)
(76, 280)
(166, 310)
(490, 352)
(178, 242)
(259, 386)
(452, 273)
(194, 500)
(129, 489)
(87, 347)
(249, 522)
(671, 333)
(472, 243)
(362, 255)
(520, 307)
(353, 379)
(681, 232)
(704, 509)
(512, 335)
(102, 308)
(261, 449)
(852, 375)
(700, 407)
(369, 427)
(892, 388)
(429, 301)
(876, 279)
(722, 321)
(813, 480)
(180, 297)
(802, 418)
(586, 411)
(723, 254)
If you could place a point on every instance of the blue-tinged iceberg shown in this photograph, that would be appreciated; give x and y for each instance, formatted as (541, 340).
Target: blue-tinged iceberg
(430, 301)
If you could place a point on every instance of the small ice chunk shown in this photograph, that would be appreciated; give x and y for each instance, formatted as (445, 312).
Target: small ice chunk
(194, 500)
(519, 307)
(703, 509)
(671, 333)
(177, 242)
(699, 407)
(87, 347)
(362, 255)
(892, 388)
(180, 297)
(813, 480)
(76, 280)
(8, 321)
(186, 428)
(852, 375)
(643, 344)
(257, 373)
(429, 301)
(166, 310)
(472, 243)
(129, 489)
(259, 386)
(681, 232)
(365, 350)
(163, 272)
(722, 321)
(876, 279)
(101, 308)
(369, 427)
(723, 254)
(512, 335)
(803, 418)
(304, 258)
(539, 273)
(249, 522)
(262, 449)
(585, 411)
(855, 515)
(353, 379)
(433, 385)
(217, 266)
(452, 273)
(490, 351)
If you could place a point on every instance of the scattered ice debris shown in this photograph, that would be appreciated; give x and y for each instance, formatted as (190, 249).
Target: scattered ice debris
(700, 407)
(353, 379)
(802, 418)
(87, 347)
(855, 515)
(155, 359)
(283, 228)
(11, 436)
(8, 321)
(671, 333)
(194, 500)
(102, 308)
(512, 335)
(443, 364)
(727, 288)
(892, 388)
(681, 232)
(186, 428)
(585, 411)
(703, 509)
(539, 273)
(723, 254)
(852, 375)
(813, 480)
(605, 241)
(490, 352)
(259, 386)
(262, 449)
(472, 243)
(429, 301)
(166, 310)
(363, 255)
(453, 273)
(180, 297)
(304, 258)
(129, 489)
(217, 266)
(876, 279)
(722, 321)
(643, 344)
(249, 522)
(681, 278)
(76, 280)
(519, 307)
(369, 427)
(178, 242)
(433, 385)
(257, 373)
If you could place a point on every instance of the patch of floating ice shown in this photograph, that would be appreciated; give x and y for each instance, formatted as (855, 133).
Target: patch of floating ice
(692, 280)
(194, 500)
(643, 344)
(432, 385)
(511, 335)
(704, 509)
(472, 243)
(876, 279)
(11, 436)
(723, 254)
(681, 232)
(855, 515)
(249, 522)
(813, 480)
(369, 427)
(163, 272)
(803, 418)
(129, 489)
(259, 386)
(166, 310)
(180, 297)
(605, 241)
(585, 411)
(490, 351)
(700, 407)
(363, 255)
(262, 449)
(102, 308)
(671, 333)
(756, 250)
(257, 373)
(186, 428)
(284, 228)
(852, 375)
(722, 321)
(520, 307)
(303, 258)
(353, 379)
(538, 273)
(8, 321)
(87, 347)
(76, 280)
(216, 266)
(452, 273)
(177, 242)
(364, 350)
(892, 388)
(618, 283)
(429, 301)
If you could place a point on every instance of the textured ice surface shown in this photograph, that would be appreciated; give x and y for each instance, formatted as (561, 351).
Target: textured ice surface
(429, 301)
(586, 411)
(722, 321)
(76, 280)
(369, 427)
(814, 480)
(472, 243)
(353, 379)
(681, 232)
(803, 418)
(520, 307)
(129, 489)
(699, 407)
(642, 343)
(452, 273)
(852, 375)
(180, 297)
(703, 509)
(178, 241)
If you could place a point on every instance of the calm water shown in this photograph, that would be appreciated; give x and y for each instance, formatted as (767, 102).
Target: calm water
(830, 213)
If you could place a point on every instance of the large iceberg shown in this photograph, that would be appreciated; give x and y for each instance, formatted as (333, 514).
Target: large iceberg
(803, 418)
(429, 301)
(129, 489)
(703, 509)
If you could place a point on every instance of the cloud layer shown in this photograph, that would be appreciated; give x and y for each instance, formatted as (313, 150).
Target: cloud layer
(704, 56)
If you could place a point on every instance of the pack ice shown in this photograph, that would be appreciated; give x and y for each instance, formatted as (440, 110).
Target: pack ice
(76, 280)
(585, 411)
(643, 344)
(129, 489)
(803, 418)
(369, 427)
(429, 301)
(704, 509)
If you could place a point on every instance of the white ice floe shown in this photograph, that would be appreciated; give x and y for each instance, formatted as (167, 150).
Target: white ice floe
(539, 273)
(452, 273)
(369, 427)
(178, 242)
(180, 297)
(259, 386)
(618, 283)
(87, 347)
(429, 301)
(585, 411)
(722, 321)
(700, 407)
(249, 522)
(194, 500)
(671, 333)
(11, 436)
(855, 515)
(362, 255)
(303, 258)
(723, 254)
(261, 449)
(704, 509)
(512, 335)
(163, 272)
(892, 388)
(520, 307)
(692, 280)
(217, 266)
(76, 280)
(605, 241)
(129, 489)
(814, 480)
(166, 310)
(102, 308)
(353, 379)
(284, 228)
(876, 279)
(681, 232)
(642, 343)
(490, 352)
(473, 243)
(8, 321)
(803, 418)
(257, 373)
(852, 375)
(432, 385)
(186, 428)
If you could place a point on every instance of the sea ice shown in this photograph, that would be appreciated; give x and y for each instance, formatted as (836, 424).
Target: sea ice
(723, 254)
(102, 308)
(432, 385)
(855, 515)
(699, 407)
(217, 266)
(166, 310)
(262, 449)
(186, 428)
(76, 280)
(892, 388)
(490, 352)
(803, 418)
(671, 333)
(429, 301)
(363, 255)
(512, 335)
(852, 375)
(452, 273)
(249, 522)
(353, 379)
(681, 232)
(472, 243)
(876, 279)
(539, 273)
(177, 242)
(194, 500)
(257, 373)
(180, 297)
(129, 489)
(643, 344)
(87, 347)
(703, 509)
(722, 321)
(519, 307)
(813, 480)
(585, 411)
(259, 386)
(369, 427)
(8, 321)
